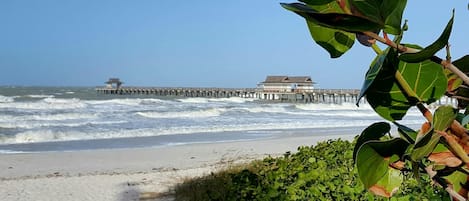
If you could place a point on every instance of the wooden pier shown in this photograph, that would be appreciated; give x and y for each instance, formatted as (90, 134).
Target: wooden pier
(335, 96)
(182, 92)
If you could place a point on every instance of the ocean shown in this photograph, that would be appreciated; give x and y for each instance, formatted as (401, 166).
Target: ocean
(39, 119)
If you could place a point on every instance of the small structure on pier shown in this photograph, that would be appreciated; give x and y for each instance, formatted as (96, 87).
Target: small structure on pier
(113, 81)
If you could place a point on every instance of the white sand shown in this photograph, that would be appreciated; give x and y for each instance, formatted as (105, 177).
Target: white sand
(126, 174)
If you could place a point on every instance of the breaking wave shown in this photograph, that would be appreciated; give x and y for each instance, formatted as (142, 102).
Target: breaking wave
(183, 114)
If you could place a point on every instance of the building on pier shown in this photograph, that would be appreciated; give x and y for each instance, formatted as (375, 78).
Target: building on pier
(281, 84)
(113, 81)
(285, 88)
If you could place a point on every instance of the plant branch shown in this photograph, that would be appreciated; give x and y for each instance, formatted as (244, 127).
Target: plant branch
(448, 53)
(437, 179)
(456, 148)
(459, 130)
(375, 48)
(445, 63)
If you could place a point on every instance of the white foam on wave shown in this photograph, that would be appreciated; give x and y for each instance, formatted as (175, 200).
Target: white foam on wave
(42, 124)
(213, 112)
(322, 106)
(273, 108)
(5, 151)
(231, 100)
(46, 104)
(193, 100)
(126, 102)
(48, 117)
(6, 99)
(218, 100)
(40, 96)
(48, 135)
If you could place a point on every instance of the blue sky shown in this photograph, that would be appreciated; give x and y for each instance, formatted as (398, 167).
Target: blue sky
(206, 43)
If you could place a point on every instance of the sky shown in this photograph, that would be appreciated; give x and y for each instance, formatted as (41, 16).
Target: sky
(208, 43)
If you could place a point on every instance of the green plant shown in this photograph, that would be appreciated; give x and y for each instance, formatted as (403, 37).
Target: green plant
(400, 77)
(321, 172)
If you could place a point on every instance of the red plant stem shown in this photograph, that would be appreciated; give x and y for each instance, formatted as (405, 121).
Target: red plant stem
(343, 6)
(425, 112)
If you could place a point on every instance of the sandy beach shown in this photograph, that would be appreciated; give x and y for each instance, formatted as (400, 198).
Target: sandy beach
(128, 174)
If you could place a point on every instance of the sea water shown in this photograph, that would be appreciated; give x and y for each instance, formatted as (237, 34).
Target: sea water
(71, 118)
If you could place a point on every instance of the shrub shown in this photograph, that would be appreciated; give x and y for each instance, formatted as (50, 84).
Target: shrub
(322, 172)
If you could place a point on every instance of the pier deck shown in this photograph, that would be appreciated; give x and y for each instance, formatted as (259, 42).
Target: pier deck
(310, 96)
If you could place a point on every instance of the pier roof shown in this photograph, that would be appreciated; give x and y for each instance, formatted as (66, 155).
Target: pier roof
(288, 79)
(114, 80)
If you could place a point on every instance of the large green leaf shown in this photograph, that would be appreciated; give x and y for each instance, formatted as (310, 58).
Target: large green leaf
(425, 145)
(388, 184)
(335, 41)
(387, 12)
(458, 181)
(406, 133)
(393, 10)
(373, 159)
(317, 2)
(375, 69)
(341, 21)
(462, 64)
(444, 117)
(429, 51)
(373, 132)
(386, 96)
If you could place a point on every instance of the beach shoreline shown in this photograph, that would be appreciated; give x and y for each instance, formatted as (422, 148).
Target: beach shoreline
(124, 174)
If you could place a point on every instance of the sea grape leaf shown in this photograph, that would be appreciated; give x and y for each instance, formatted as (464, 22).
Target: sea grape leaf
(426, 78)
(429, 51)
(406, 133)
(370, 165)
(375, 69)
(368, 8)
(444, 158)
(465, 120)
(373, 159)
(393, 19)
(387, 98)
(395, 146)
(458, 180)
(373, 132)
(462, 64)
(335, 41)
(388, 184)
(454, 81)
(317, 2)
(425, 145)
(444, 117)
(341, 21)
(386, 12)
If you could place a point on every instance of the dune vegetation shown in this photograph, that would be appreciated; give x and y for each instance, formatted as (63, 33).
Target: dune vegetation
(325, 171)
